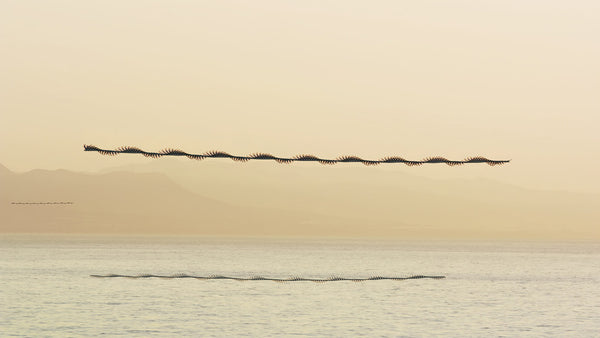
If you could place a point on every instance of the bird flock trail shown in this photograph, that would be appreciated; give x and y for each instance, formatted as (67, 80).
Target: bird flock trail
(41, 203)
(297, 158)
(260, 278)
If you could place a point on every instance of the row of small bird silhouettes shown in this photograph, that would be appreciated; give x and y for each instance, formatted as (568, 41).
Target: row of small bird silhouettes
(297, 158)
(42, 203)
(258, 278)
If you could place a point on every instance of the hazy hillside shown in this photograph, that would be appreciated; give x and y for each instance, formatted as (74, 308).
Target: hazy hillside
(378, 196)
(122, 202)
(225, 198)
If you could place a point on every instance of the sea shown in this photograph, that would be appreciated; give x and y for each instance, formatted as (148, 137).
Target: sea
(490, 289)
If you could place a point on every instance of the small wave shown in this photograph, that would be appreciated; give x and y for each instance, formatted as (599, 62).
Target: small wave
(261, 278)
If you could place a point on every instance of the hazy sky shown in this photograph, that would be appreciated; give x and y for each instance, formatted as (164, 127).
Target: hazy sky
(504, 79)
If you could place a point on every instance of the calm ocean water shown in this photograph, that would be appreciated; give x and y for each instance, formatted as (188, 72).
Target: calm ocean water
(490, 289)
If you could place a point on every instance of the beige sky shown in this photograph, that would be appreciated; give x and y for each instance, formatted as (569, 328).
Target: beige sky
(505, 79)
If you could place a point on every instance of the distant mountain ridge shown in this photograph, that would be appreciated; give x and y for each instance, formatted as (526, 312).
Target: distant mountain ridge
(258, 200)
(123, 202)
(412, 205)
(4, 170)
